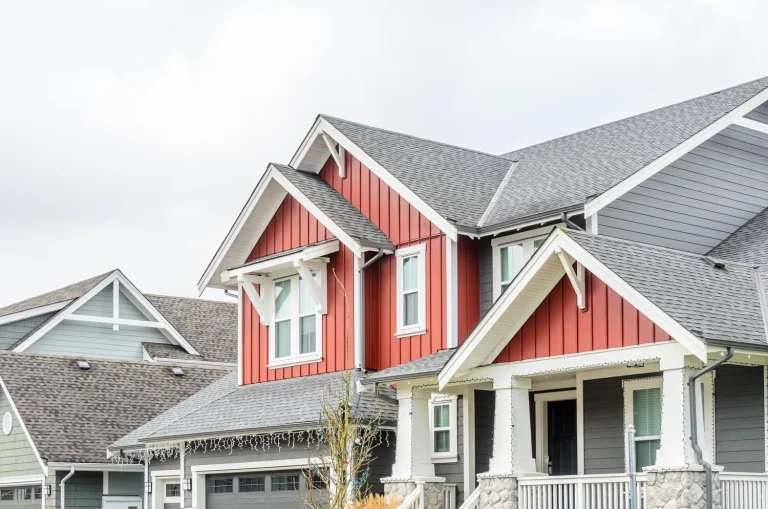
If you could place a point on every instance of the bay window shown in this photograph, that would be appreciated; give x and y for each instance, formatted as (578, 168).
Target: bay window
(510, 253)
(295, 331)
(411, 291)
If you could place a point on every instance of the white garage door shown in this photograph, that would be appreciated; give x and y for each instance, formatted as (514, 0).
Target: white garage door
(257, 490)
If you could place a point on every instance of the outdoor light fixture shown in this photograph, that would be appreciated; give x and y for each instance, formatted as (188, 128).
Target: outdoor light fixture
(47, 490)
(187, 484)
(148, 486)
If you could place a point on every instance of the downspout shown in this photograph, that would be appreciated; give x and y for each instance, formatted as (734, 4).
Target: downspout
(63, 487)
(361, 346)
(694, 420)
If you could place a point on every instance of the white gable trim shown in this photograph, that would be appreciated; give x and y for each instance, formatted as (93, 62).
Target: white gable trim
(323, 127)
(31, 313)
(662, 162)
(23, 427)
(751, 124)
(463, 359)
(158, 320)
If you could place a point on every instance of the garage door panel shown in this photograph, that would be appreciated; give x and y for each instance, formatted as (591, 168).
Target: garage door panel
(257, 490)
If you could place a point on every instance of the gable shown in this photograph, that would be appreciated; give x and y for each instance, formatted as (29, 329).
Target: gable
(11, 333)
(17, 456)
(559, 327)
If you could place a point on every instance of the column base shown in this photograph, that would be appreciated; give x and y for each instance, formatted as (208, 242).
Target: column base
(401, 488)
(498, 491)
(681, 488)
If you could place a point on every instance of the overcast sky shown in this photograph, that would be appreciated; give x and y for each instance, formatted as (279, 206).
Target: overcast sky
(131, 136)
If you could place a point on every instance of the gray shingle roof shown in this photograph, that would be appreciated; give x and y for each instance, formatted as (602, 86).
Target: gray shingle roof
(67, 293)
(224, 408)
(73, 415)
(568, 170)
(721, 304)
(425, 366)
(748, 244)
(336, 207)
(458, 183)
(163, 351)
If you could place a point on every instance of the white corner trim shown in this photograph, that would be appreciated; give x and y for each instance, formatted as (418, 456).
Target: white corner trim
(662, 162)
(240, 338)
(43, 466)
(496, 195)
(752, 124)
(132, 293)
(31, 313)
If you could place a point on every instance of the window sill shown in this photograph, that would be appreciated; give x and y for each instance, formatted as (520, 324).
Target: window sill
(445, 459)
(294, 361)
(411, 332)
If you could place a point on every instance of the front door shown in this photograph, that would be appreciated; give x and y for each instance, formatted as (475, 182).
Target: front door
(561, 437)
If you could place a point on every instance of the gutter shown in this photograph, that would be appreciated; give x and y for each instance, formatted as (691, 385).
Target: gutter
(523, 222)
(63, 483)
(694, 421)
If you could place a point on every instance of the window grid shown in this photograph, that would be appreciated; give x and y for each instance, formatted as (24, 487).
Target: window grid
(441, 427)
(288, 482)
(251, 485)
(6, 494)
(295, 324)
(218, 486)
(172, 490)
(411, 290)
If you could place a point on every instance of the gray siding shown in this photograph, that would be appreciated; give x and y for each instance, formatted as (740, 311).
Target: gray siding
(83, 490)
(454, 472)
(739, 419)
(760, 113)
(126, 483)
(486, 274)
(101, 305)
(485, 408)
(10, 333)
(603, 426)
(17, 458)
(700, 199)
(381, 464)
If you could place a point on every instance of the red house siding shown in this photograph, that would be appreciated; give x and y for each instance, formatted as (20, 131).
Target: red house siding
(468, 257)
(558, 327)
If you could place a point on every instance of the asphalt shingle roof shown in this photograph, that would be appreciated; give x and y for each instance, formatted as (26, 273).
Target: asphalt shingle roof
(74, 415)
(225, 408)
(67, 293)
(748, 244)
(715, 304)
(336, 207)
(425, 366)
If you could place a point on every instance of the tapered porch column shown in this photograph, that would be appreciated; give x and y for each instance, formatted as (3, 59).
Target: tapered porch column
(676, 450)
(413, 459)
(512, 448)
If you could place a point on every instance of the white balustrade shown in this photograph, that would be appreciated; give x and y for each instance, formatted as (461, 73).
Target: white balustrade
(744, 491)
(415, 499)
(578, 492)
(449, 496)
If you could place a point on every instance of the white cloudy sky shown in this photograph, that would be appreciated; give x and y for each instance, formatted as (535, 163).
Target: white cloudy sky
(131, 135)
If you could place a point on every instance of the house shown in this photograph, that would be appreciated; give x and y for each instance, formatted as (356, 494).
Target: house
(82, 366)
(525, 307)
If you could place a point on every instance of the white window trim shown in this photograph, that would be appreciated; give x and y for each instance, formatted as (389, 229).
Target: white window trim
(171, 500)
(158, 479)
(630, 386)
(420, 326)
(452, 455)
(295, 359)
(526, 239)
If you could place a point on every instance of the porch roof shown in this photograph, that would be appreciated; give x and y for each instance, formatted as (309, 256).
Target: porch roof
(419, 368)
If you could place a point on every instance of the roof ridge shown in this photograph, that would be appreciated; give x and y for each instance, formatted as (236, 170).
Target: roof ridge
(98, 276)
(638, 115)
(413, 137)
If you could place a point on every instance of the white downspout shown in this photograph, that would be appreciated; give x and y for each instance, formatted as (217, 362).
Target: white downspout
(63, 487)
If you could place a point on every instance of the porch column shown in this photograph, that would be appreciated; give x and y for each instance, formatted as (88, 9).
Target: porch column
(512, 448)
(676, 450)
(412, 455)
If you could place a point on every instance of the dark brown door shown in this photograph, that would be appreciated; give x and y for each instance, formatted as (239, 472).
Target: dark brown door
(561, 421)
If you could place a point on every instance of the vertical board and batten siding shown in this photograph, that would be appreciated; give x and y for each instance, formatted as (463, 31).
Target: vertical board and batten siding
(559, 327)
(699, 200)
(454, 472)
(10, 333)
(468, 272)
(739, 418)
(17, 457)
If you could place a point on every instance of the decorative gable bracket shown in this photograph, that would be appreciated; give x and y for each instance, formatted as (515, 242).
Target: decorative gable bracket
(256, 298)
(319, 290)
(577, 279)
(338, 155)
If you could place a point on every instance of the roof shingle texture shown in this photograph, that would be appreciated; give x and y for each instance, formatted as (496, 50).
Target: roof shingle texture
(721, 304)
(224, 408)
(64, 294)
(74, 415)
(748, 244)
(335, 206)
(425, 366)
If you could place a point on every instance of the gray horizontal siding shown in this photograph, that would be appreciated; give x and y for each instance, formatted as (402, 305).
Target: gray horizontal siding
(760, 113)
(383, 457)
(486, 274)
(10, 333)
(84, 490)
(17, 458)
(700, 199)
(739, 419)
(454, 471)
(126, 483)
(603, 426)
(485, 408)
(101, 305)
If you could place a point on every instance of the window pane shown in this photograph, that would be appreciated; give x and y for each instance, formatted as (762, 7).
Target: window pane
(38, 493)
(282, 299)
(173, 490)
(306, 302)
(221, 485)
(307, 331)
(645, 454)
(442, 441)
(411, 309)
(283, 338)
(441, 416)
(6, 494)
(285, 482)
(410, 273)
(647, 412)
(512, 261)
(504, 287)
(537, 244)
(251, 484)
(23, 493)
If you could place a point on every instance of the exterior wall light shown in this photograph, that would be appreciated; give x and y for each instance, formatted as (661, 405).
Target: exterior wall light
(187, 484)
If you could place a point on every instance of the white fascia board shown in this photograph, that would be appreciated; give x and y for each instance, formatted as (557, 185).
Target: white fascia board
(752, 124)
(258, 465)
(665, 160)
(31, 313)
(43, 466)
(345, 239)
(21, 480)
(322, 125)
(96, 467)
(287, 261)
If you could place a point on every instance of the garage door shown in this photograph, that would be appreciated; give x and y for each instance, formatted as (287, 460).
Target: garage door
(257, 490)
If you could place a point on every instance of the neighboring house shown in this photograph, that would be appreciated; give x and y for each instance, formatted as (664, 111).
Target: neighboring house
(58, 417)
(519, 346)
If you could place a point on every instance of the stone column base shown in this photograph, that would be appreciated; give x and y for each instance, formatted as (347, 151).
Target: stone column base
(681, 489)
(401, 488)
(497, 491)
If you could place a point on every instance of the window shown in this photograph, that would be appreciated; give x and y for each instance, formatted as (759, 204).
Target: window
(172, 490)
(38, 493)
(511, 253)
(6, 494)
(411, 291)
(442, 420)
(297, 323)
(285, 482)
(171, 495)
(23, 493)
(218, 486)
(642, 403)
(250, 484)
(316, 481)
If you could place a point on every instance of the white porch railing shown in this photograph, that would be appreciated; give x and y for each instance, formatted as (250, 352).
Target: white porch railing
(449, 496)
(473, 500)
(579, 492)
(744, 490)
(415, 499)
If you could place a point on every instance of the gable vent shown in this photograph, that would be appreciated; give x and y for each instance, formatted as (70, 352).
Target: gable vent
(83, 365)
(177, 371)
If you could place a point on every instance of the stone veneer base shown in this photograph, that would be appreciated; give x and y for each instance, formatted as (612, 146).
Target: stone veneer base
(498, 492)
(681, 489)
(433, 492)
